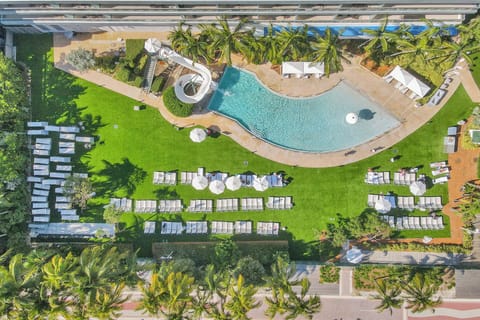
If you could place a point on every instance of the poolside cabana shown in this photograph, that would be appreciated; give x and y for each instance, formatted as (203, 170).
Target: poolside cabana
(401, 75)
(292, 68)
(300, 69)
(418, 87)
(409, 81)
(315, 68)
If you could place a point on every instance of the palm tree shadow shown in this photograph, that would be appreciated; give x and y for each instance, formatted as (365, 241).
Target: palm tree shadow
(166, 193)
(120, 177)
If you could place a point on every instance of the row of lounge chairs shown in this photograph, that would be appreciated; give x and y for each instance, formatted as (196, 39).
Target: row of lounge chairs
(122, 204)
(404, 178)
(170, 205)
(377, 177)
(203, 205)
(145, 206)
(408, 203)
(268, 228)
(280, 203)
(227, 205)
(216, 227)
(171, 227)
(196, 227)
(161, 177)
(415, 223)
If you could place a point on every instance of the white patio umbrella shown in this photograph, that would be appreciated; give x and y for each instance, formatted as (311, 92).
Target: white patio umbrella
(152, 45)
(354, 255)
(200, 182)
(233, 183)
(418, 188)
(217, 186)
(383, 205)
(198, 135)
(260, 183)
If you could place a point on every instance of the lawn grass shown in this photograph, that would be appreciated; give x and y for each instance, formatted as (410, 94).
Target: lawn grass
(133, 144)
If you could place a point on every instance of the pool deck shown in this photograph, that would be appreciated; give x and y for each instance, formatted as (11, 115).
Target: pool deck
(368, 83)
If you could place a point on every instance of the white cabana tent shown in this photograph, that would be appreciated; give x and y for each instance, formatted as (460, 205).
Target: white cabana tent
(292, 67)
(409, 81)
(354, 255)
(417, 86)
(198, 135)
(152, 45)
(401, 75)
(418, 188)
(383, 205)
(199, 182)
(260, 183)
(233, 183)
(313, 68)
(217, 186)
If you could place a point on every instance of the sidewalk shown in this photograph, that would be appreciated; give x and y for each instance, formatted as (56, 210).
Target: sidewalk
(413, 258)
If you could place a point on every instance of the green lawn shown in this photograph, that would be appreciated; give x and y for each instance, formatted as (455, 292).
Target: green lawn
(123, 160)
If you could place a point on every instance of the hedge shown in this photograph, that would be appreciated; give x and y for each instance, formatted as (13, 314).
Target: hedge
(134, 47)
(123, 73)
(157, 84)
(203, 252)
(175, 106)
(138, 81)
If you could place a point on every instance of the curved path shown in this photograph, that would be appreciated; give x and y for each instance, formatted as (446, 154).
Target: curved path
(363, 80)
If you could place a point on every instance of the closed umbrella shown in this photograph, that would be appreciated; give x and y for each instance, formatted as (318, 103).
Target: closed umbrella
(383, 205)
(354, 255)
(152, 45)
(233, 183)
(200, 182)
(217, 186)
(260, 183)
(198, 135)
(418, 188)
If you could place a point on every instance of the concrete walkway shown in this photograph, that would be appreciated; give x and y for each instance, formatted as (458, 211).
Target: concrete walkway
(412, 258)
(346, 281)
(366, 82)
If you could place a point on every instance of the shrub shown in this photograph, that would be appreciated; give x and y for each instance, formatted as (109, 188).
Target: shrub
(138, 81)
(157, 84)
(140, 65)
(123, 73)
(81, 59)
(175, 106)
(329, 273)
(251, 270)
(106, 63)
(226, 254)
(134, 47)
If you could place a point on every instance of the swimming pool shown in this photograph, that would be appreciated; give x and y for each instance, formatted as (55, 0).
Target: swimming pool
(315, 124)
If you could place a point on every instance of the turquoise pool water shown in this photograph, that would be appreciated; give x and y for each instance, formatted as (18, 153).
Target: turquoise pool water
(315, 124)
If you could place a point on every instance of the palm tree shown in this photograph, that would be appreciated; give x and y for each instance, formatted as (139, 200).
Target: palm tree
(293, 44)
(419, 295)
(326, 50)
(283, 299)
(224, 41)
(301, 305)
(241, 299)
(271, 47)
(381, 41)
(171, 297)
(19, 288)
(186, 44)
(388, 294)
(108, 302)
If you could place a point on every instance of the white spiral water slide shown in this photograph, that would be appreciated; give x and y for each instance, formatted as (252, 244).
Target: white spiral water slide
(203, 77)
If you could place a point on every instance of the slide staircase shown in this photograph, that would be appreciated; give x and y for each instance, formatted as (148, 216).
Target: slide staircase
(202, 79)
